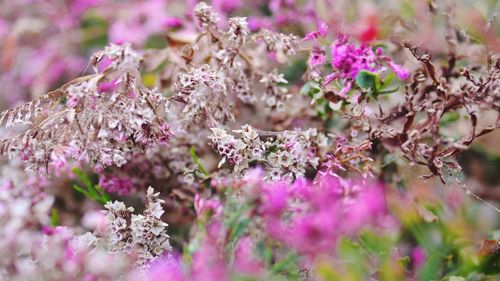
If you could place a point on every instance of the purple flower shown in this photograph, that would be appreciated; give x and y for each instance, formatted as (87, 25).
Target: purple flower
(274, 199)
(166, 268)
(244, 258)
(143, 19)
(321, 32)
(348, 59)
(207, 264)
(107, 86)
(121, 185)
(401, 72)
(226, 6)
(310, 217)
(317, 57)
(207, 206)
(418, 257)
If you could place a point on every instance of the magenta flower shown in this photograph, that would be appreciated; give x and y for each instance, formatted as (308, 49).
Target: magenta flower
(348, 60)
(310, 217)
(226, 6)
(121, 185)
(107, 86)
(166, 268)
(143, 19)
(207, 264)
(275, 198)
(418, 257)
(401, 72)
(203, 206)
(245, 261)
(317, 57)
(321, 32)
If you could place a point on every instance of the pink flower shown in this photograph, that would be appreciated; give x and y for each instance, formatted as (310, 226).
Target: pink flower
(107, 86)
(165, 133)
(274, 199)
(121, 185)
(310, 217)
(172, 22)
(226, 6)
(317, 57)
(166, 268)
(57, 160)
(203, 207)
(418, 257)
(4, 28)
(207, 264)
(244, 258)
(401, 72)
(348, 59)
(256, 23)
(321, 32)
(143, 19)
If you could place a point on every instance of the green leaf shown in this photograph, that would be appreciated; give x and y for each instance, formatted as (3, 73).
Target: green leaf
(196, 160)
(368, 80)
(312, 90)
(449, 117)
(388, 80)
(102, 192)
(265, 252)
(327, 273)
(293, 71)
(54, 217)
(239, 228)
(82, 176)
(378, 244)
(90, 190)
(389, 91)
(286, 264)
(83, 191)
(432, 267)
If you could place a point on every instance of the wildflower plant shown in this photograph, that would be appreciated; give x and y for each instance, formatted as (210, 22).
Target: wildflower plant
(286, 140)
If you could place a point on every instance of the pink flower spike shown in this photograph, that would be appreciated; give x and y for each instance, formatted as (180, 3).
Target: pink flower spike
(400, 71)
(346, 89)
(330, 78)
(418, 257)
(172, 22)
(317, 57)
(321, 32)
(244, 261)
(107, 87)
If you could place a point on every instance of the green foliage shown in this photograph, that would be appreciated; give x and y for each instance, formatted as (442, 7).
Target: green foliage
(449, 118)
(321, 104)
(374, 85)
(294, 70)
(90, 190)
(156, 42)
(197, 161)
(54, 217)
(94, 31)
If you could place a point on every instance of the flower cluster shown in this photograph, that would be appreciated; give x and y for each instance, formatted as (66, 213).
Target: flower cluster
(205, 93)
(347, 60)
(310, 218)
(291, 159)
(286, 155)
(106, 117)
(52, 253)
(145, 235)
